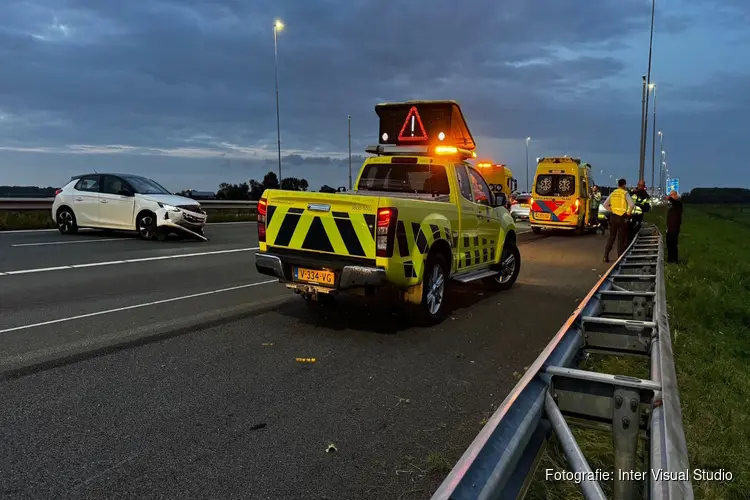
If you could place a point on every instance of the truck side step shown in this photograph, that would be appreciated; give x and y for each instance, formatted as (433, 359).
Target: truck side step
(475, 275)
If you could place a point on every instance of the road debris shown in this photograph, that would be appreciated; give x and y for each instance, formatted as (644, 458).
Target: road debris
(331, 447)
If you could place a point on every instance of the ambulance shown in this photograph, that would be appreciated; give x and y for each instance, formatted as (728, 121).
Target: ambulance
(561, 196)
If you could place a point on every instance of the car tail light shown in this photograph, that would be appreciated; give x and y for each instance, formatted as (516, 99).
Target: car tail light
(385, 231)
(58, 191)
(514, 202)
(262, 211)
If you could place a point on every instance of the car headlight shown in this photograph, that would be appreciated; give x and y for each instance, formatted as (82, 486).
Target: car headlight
(169, 208)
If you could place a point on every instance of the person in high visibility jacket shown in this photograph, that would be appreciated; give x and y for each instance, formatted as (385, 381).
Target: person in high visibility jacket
(642, 201)
(620, 205)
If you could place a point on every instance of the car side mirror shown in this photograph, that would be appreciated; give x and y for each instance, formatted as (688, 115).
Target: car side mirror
(125, 192)
(500, 200)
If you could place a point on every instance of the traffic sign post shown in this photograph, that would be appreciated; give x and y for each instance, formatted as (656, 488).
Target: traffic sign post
(673, 185)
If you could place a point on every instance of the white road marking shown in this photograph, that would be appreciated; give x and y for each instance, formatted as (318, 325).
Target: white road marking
(21, 231)
(68, 242)
(126, 261)
(136, 306)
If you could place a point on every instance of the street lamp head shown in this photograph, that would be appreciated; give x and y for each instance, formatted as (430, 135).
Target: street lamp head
(660, 133)
(278, 25)
(651, 86)
(528, 139)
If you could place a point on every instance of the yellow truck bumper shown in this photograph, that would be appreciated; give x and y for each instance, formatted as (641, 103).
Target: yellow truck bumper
(347, 276)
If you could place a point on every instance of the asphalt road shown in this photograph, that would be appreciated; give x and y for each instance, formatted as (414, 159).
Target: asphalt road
(220, 408)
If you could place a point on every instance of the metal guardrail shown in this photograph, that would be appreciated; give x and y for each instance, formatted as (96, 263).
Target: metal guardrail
(625, 313)
(21, 204)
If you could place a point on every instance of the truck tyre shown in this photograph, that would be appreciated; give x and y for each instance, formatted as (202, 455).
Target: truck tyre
(434, 285)
(510, 267)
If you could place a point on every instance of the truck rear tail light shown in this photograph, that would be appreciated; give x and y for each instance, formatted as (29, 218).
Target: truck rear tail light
(385, 231)
(262, 211)
(576, 206)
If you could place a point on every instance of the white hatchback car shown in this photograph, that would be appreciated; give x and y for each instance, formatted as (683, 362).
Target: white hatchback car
(125, 202)
(519, 208)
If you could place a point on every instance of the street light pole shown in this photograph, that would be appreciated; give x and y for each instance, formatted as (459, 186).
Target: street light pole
(653, 144)
(641, 150)
(661, 158)
(277, 26)
(528, 190)
(648, 87)
(350, 152)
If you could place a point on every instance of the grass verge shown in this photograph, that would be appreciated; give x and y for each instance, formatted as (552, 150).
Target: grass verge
(708, 298)
(10, 221)
(37, 219)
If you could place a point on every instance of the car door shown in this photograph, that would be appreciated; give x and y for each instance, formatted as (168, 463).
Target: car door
(488, 219)
(86, 200)
(469, 222)
(116, 203)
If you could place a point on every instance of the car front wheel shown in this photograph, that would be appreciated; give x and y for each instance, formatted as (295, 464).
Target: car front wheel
(146, 226)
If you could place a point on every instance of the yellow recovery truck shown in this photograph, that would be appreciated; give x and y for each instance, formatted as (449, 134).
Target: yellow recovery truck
(419, 216)
(500, 179)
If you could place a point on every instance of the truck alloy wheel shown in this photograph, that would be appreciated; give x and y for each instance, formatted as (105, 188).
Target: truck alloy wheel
(509, 267)
(434, 289)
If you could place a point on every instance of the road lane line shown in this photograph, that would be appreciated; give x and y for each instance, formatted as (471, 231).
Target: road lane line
(126, 261)
(64, 242)
(136, 306)
(22, 231)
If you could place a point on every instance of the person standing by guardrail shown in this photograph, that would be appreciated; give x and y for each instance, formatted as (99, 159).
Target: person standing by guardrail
(620, 205)
(674, 221)
(642, 201)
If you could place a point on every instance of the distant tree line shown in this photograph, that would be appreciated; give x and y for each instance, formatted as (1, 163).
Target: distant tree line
(251, 190)
(27, 192)
(720, 196)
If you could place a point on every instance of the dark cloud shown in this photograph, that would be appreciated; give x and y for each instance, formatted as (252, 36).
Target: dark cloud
(196, 77)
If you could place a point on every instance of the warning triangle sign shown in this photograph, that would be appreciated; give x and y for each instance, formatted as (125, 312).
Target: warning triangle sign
(413, 129)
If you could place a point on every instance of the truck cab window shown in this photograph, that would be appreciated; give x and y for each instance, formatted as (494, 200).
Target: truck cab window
(418, 178)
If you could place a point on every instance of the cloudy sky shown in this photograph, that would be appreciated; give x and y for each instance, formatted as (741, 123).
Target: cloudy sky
(183, 90)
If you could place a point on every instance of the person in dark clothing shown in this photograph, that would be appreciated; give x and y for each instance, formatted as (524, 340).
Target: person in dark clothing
(642, 201)
(674, 221)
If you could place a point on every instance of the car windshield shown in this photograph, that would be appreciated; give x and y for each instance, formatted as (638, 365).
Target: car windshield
(556, 185)
(419, 178)
(142, 185)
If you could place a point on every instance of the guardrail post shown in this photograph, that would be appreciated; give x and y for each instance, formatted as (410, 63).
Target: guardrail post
(625, 425)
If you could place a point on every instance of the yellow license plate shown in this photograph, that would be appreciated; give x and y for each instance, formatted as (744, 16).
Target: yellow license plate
(314, 276)
(542, 216)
